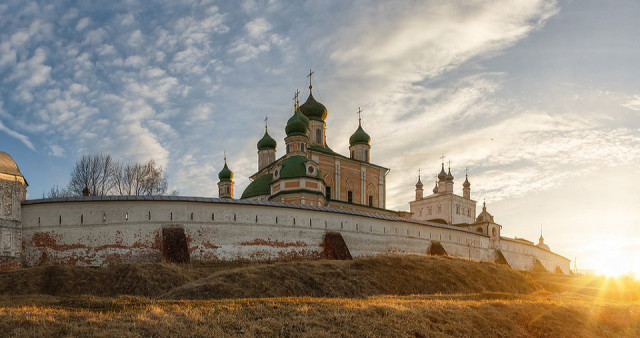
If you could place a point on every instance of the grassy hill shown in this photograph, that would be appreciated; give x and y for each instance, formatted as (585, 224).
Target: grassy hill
(405, 296)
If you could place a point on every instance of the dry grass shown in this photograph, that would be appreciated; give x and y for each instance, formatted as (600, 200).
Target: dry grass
(381, 275)
(363, 297)
(399, 316)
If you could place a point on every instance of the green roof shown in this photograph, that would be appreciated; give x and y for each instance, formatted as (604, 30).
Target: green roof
(225, 174)
(259, 186)
(297, 124)
(313, 109)
(359, 137)
(294, 167)
(266, 142)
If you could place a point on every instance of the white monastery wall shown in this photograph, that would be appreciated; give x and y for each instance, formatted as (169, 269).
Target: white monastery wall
(94, 233)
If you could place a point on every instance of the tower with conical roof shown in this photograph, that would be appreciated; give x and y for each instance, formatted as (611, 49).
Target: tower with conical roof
(266, 149)
(316, 112)
(442, 179)
(449, 180)
(225, 185)
(419, 190)
(466, 187)
(359, 147)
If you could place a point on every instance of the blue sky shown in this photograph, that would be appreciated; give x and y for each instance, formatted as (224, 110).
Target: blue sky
(540, 99)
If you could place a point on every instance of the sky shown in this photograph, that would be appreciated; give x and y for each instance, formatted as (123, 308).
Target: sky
(538, 99)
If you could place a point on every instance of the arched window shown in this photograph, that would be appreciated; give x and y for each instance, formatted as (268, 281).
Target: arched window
(350, 196)
(352, 154)
(371, 202)
(366, 155)
(288, 148)
(493, 232)
(319, 135)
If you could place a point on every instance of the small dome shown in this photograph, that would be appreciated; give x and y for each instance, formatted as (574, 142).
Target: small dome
(359, 137)
(259, 186)
(8, 165)
(449, 177)
(267, 142)
(484, 216)
(294, 166)
(442, 175)
(297, 124)
(435, 189)
(419, 184)
(466, 183)
(225, 174)
(313, 109)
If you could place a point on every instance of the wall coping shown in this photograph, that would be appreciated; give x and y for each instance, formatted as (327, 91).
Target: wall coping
(90, 199)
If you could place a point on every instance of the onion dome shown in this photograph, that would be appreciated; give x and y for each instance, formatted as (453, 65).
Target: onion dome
(297, 124)
(359, 137)
(313, 109)
(259, 186)
(266, 142)
(466, 183)
(295, 166)
(419, 185)
(442, 175)
(449, 177)
(225, 174)
(435, 189)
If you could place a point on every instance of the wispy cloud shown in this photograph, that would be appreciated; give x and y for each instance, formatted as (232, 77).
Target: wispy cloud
(22, 138)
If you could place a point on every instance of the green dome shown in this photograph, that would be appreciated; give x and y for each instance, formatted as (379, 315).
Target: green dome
(266, 142)
(313, 109)
(225, 174)
(259, 186)
(297, 124)
(359, 137)
(294, 167)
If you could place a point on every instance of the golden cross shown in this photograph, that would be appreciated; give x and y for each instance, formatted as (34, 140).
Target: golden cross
(225, 156)
(449, 164)
(266, 119)
(418, 173)
(359, 112)
(442, 158)
(309, 76)
(295, 99)
(466, 171)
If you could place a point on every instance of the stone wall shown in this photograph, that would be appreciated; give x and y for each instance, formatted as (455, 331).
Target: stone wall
(96, 231)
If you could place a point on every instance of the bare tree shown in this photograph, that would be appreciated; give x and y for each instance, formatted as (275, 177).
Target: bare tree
(95, 172)
(141, 179)
(56, 192)
(104, 176)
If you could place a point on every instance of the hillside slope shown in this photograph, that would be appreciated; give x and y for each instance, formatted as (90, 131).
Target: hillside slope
(381, 275)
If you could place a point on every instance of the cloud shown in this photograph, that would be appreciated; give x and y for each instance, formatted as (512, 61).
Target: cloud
(82, 24)
(22, 138)
(56, 151)
(633, 104)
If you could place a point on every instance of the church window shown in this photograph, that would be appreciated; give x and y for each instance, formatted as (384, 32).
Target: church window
(319, 135)
(328, 192)
(288, 148)
(301, 146)
(366, 155)
(310, 169)
(439, 209)
(468, 212)
(457, 209)
(429, 211)
(350, 196)
(352, 154)
(370, 200)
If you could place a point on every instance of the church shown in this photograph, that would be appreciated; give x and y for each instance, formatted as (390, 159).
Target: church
(310, 172)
